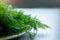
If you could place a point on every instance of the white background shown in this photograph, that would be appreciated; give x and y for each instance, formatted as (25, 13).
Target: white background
(49, 16)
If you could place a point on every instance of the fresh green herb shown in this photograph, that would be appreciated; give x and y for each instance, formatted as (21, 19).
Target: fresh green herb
(14, 22)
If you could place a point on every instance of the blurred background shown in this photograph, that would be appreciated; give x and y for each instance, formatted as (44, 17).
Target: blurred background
(47, 11)
(34, 3)
(49, 16)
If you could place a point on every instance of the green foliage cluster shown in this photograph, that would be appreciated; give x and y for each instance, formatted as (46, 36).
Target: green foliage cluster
(14, 22)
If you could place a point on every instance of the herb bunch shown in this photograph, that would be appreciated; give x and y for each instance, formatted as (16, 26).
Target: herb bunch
(14, 22)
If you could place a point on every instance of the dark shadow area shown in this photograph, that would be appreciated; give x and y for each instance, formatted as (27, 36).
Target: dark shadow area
(22, 37)
(34, 3)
